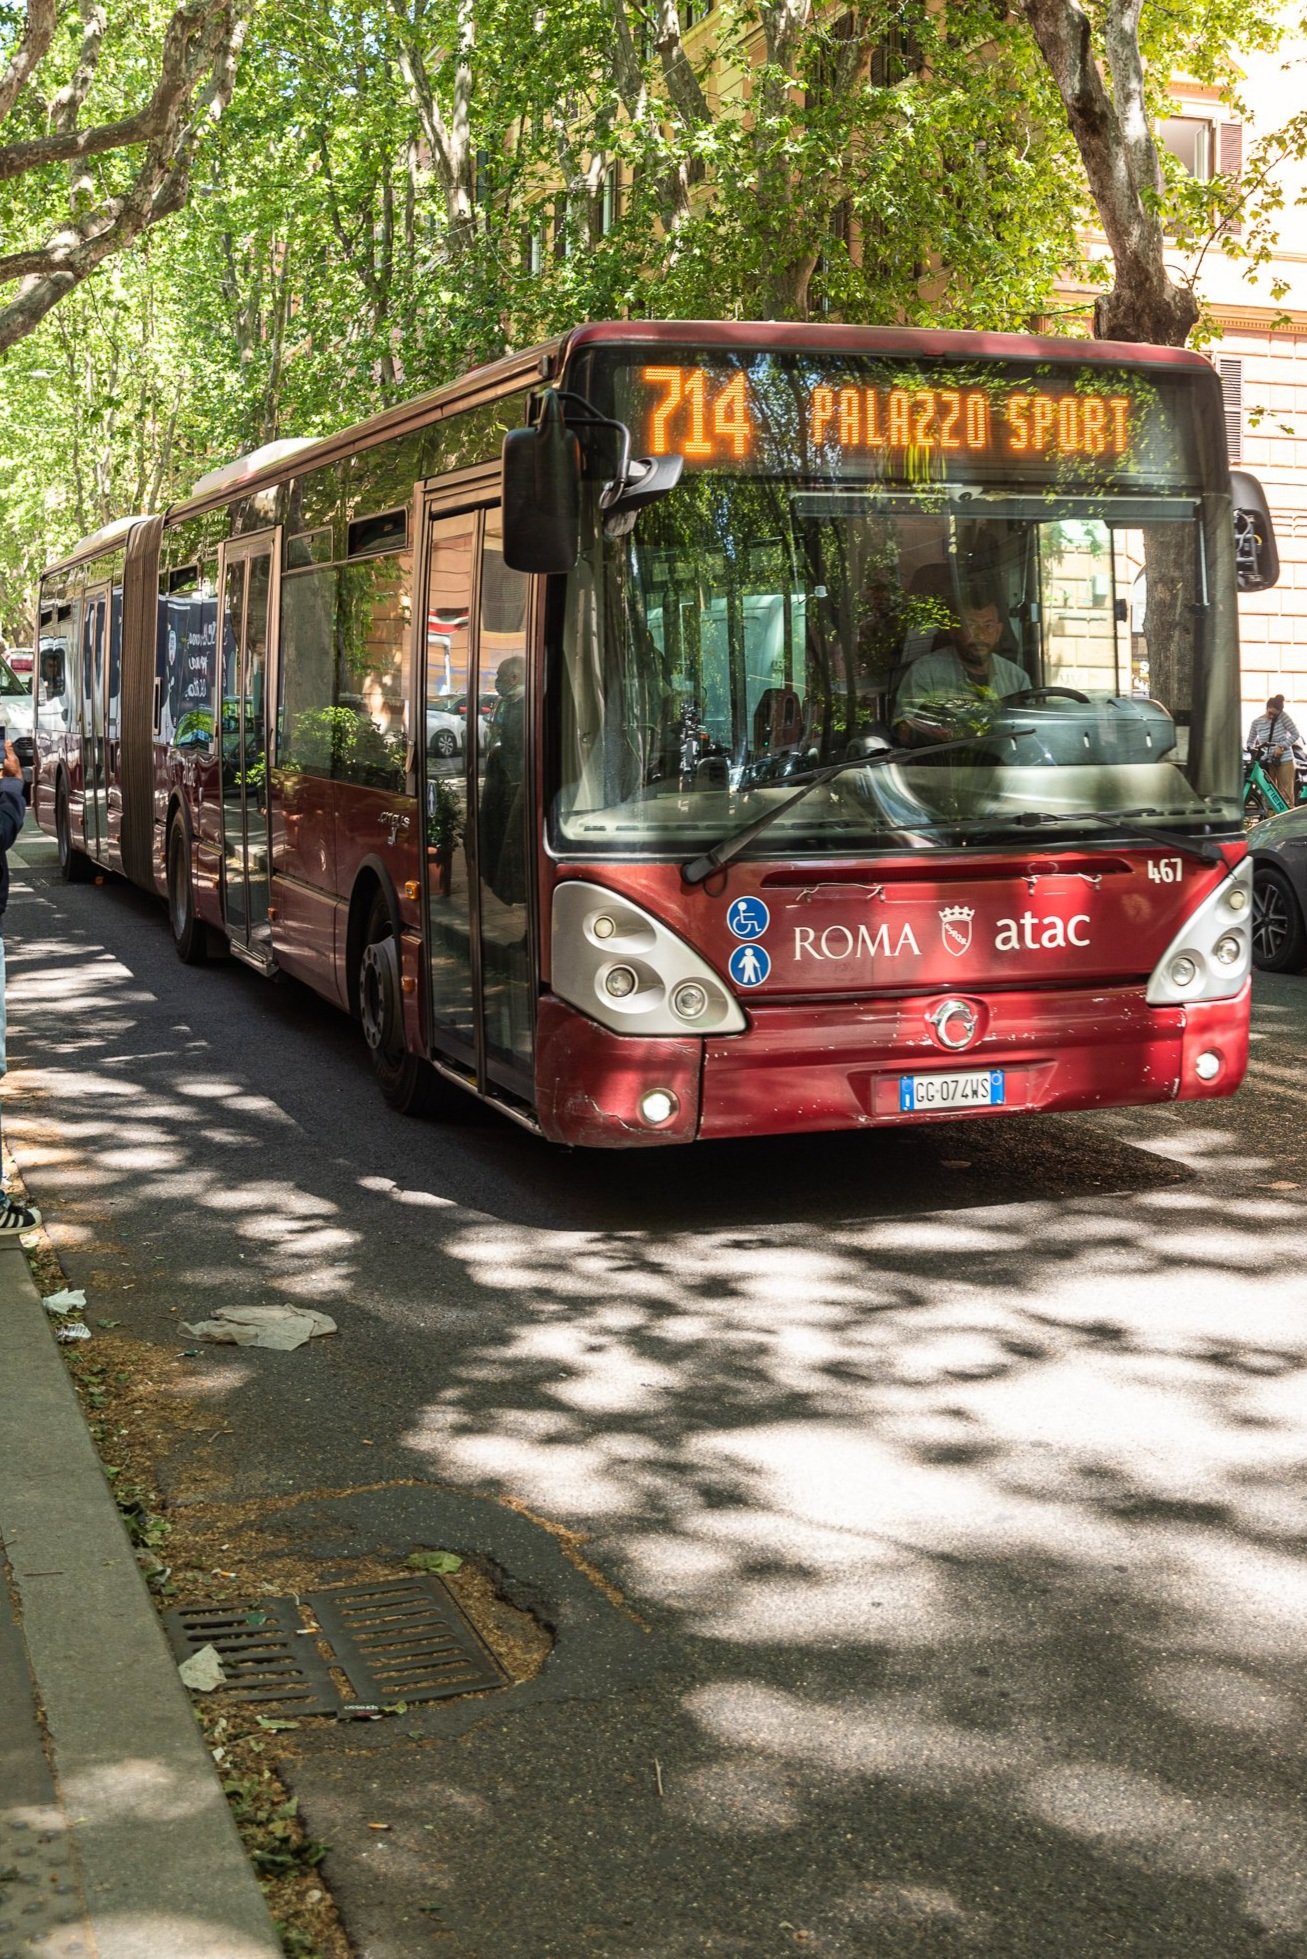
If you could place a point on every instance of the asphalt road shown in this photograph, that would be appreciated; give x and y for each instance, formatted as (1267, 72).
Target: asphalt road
(952, 1479)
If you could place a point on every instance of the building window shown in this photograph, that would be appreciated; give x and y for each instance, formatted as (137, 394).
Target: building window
(1231, 373)
(1190, 143)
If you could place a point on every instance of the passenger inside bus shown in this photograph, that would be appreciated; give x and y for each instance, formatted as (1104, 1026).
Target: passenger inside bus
(502, 836)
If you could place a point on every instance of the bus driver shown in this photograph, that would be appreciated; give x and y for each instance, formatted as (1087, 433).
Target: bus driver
(969, 669)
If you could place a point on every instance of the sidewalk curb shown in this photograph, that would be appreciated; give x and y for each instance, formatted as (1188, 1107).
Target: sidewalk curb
(162, 1865)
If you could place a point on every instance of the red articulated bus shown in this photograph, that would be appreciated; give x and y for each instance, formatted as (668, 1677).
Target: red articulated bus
(702, 730)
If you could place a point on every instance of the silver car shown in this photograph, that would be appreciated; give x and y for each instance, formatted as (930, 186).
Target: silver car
(1279, 852)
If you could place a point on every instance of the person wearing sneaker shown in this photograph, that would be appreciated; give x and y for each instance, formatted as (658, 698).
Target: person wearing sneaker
(14, 1217)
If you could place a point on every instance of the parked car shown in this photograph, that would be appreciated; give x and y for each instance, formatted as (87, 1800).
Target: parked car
(445, 730)
(1279, 853)
(447, 722)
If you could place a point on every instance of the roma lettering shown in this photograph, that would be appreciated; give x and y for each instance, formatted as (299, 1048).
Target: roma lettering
(842, 942)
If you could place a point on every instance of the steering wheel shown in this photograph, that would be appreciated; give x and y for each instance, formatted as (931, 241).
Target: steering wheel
(1049, 694)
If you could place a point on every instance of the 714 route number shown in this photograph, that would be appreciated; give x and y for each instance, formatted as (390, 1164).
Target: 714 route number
(1164, 870)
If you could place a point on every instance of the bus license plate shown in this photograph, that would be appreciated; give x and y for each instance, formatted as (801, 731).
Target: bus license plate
(974, 1088)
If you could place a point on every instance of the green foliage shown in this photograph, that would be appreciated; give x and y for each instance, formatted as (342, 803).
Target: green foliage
(446, 821)
(391, 197)
(342, 743)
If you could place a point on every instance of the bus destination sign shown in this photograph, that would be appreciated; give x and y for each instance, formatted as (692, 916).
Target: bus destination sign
(719, 418)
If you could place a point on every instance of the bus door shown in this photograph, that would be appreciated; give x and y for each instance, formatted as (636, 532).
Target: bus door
(95, 635)
(246, 582)
(477, 798)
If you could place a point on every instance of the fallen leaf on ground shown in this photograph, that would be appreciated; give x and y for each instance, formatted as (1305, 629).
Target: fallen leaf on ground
(434, 1561)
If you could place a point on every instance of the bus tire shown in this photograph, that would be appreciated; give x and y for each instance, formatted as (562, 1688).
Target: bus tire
(75, 866)
(408, 1083)
(189, 933)
(1279, 934)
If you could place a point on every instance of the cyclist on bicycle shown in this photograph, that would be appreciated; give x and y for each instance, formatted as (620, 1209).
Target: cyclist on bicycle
(1275, 732)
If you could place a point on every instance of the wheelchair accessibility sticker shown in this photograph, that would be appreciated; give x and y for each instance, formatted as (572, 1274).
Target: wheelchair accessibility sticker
(748, 918)
(749, 965)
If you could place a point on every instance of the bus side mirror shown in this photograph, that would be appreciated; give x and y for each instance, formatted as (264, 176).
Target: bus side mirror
(542, 493)
(1256, 559)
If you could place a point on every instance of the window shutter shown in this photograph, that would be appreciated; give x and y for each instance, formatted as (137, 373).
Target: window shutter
(1231, 373)
(1229, 158)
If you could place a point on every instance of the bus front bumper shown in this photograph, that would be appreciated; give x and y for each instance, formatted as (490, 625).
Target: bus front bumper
(841, 1064)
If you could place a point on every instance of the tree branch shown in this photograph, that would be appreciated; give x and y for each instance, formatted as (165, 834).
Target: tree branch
(197, 72)
(1120, 160)
(31, 50)
(67, 104)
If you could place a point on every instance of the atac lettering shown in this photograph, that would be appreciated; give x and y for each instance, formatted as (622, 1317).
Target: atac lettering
(843, 942)
(1031, 933)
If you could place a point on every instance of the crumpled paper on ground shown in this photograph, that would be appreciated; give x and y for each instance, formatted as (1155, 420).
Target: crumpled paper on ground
(70, 1300)
(281, 1327)
(203, 1671)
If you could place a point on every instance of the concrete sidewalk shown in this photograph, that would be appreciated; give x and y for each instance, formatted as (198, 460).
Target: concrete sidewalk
(116, 1841)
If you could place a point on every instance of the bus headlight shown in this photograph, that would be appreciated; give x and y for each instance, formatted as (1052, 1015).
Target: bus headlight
(623, 967)
(690, 1000)
(1209, 958)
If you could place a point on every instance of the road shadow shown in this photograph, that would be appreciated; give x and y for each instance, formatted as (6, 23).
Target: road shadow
(960, 1475)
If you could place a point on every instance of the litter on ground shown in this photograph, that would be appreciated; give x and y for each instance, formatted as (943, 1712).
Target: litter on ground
(280, 1327)
(203, 1671)
(71, 1300)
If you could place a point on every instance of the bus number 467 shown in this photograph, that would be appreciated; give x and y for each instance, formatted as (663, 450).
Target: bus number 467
(1164, 870)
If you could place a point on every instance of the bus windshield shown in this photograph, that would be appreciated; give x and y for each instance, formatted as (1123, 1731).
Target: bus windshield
(1039, 642)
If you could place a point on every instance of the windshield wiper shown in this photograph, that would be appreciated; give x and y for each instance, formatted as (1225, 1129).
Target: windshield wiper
(1204, 849)
(729, 848)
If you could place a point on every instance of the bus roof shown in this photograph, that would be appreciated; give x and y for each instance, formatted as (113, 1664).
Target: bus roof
(798, 336)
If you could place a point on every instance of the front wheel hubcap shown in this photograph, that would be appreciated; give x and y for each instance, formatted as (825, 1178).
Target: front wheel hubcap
(379, 996)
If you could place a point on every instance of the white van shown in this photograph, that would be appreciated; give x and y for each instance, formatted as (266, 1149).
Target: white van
(17, 717)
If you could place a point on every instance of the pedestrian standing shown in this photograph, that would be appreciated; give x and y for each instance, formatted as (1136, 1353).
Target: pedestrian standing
(1275, 732)
(14, 1217)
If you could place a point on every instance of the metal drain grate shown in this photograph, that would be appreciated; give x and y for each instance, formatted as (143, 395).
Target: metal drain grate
(405, 1640)
(267, 1656)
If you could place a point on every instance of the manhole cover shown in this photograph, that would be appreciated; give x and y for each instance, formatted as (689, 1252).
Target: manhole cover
(405, 1640)
(400, 1640)
(267, 1655)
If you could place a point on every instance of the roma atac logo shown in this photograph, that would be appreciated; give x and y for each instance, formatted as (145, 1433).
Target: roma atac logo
(955, 927)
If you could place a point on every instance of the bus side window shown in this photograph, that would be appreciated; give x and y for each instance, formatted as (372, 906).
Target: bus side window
(52, 665)
(374, 603)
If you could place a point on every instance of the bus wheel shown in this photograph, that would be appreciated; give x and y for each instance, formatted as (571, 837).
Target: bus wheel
(189, 933)
(409, 1084)
(74, 865)
(1279, 934)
